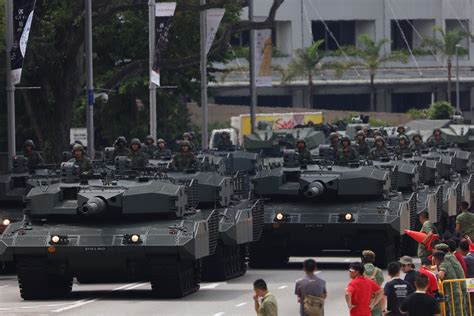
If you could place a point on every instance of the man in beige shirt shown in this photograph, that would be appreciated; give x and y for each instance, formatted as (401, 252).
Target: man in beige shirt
(265, 302)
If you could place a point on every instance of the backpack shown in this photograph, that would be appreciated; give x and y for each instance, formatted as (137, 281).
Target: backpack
(313, 305)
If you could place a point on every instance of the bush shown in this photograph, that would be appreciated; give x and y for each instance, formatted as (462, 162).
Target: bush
(441, 110)
(416, 114)
(375, 122)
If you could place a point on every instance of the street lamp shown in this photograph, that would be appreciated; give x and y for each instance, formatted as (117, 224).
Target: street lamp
(458, 108)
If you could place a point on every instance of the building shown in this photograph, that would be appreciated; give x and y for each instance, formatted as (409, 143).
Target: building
(405, 23)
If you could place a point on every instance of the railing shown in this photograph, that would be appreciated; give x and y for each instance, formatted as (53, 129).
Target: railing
(457, 300)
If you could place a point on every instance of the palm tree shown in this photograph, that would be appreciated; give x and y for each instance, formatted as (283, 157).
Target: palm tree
(306, 63)
(445, 46)
(368, 57)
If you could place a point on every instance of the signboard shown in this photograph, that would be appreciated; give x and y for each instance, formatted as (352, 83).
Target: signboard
(213, 20)
(78, 133)
(470, 285)
(263, 58)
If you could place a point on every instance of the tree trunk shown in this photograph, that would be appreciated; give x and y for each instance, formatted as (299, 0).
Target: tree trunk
(309, 102)
(450, 65)
(372, 93)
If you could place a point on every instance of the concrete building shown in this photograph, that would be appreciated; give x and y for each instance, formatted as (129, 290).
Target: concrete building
(405, 23)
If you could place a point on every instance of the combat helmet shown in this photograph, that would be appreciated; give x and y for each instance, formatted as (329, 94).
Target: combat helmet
(77, 147)
(121, 140)
(29, 142)
(380, 138)
(135, 141)
(149, 137)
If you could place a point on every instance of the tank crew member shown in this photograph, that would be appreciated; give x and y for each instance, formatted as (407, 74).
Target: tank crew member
(136, 156)
(362, 146)
(346, 153)
(303, 152)
(120, 147)
(403, 146)
(81, 160)
(193, 140)
(379, 150)
(417, 143)
(401, 130)
(162, 152)
(184, 159)
(187, 136)
(334, 143)
(436, 139)
(34, 157)
(225, 143)
(149, 147)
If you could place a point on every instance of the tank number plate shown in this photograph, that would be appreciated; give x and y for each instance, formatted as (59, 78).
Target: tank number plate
(313, 226)
(95, 248)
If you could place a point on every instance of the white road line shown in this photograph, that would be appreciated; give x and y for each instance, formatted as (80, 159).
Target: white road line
(30, 306)
(138, 285)
(3, 286)
(283, 287)
(92, 300)
(210, 286)
(347, 260)
(219, 314)
(241, 304)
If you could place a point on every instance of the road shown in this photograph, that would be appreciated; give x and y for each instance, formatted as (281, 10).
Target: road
(233, 297)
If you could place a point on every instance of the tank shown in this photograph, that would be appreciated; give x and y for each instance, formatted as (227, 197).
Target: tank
(118, 228)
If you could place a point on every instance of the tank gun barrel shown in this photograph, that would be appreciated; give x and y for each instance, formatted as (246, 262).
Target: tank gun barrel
(314, 189)
(94, 206)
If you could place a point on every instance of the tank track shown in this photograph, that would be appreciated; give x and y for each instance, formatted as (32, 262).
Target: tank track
(228, 262)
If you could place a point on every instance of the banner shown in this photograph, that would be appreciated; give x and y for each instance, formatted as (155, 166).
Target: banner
(263, 58)
(163, 13)
(22, 18)
(213, 20)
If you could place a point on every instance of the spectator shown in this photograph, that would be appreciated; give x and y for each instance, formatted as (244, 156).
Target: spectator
(395, 291)
(453, 245)
(373, 273)
(429, 229)
(463, 249)
(465, 221)
(311, 291)
(360, 290)
(420, 303)
(409, 269)
(264, 301)
(425, 269)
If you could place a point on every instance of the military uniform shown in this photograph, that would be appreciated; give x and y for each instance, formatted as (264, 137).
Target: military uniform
(453, 291)
(376, 275)
(304, 155)
(466, 221)
(433, 142)
(121, 151)
(401, 150)
(225, 144)
(184, 160)
(138, 160)
(417, 147)
(163, 153)
(377, 153)
(149, 150)
(34, 159)
(427, 227)
(346, 155)
(335, 149)
(363, 148)
(84, 164)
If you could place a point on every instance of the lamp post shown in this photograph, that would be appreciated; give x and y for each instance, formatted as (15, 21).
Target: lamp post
(10, 87)
(89, 81)
(253, 74)
(458, 108)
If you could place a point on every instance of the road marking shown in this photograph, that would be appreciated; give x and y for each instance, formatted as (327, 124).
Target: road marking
(283, 287)
(241, 304)
(3, 286)
(347, 260)
(31, 306)
(138, 285)
(219, 314)
(318, 272)
(92, 300)
(210, 286)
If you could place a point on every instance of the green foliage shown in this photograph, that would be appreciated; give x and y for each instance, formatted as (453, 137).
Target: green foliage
(375, 122)
(306, 63)
(441, 110)
(416, 114)
(446, 43)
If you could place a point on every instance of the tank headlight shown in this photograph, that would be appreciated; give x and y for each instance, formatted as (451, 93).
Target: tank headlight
(346, 217)
(280, 216)
(59, 240)
(132, 239)
(135, 238)
(6, 222)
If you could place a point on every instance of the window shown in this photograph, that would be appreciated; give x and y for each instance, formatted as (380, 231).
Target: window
(263, 100)
(345, 102)
(402, 32)
(343, 31)
(402, 102)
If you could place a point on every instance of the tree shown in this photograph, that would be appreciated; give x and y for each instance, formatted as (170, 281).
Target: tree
(441, 110)
(445, 46)
(306, 63)
(368, 56)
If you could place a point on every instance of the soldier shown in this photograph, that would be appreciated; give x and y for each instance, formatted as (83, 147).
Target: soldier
(138, 159)
(379, 150)
(184, 159)
(465, 221)
(346, 153)
(304, 154)
(187, 136)
(403, 146)
(334, 143)
(362, 146)
(436, 139)
(429, 229)
(80, 160)
(162, 151)
(34, 157)
(401, 130)
(417, 143)
(225, 143)
(120, 147)
(149, 147)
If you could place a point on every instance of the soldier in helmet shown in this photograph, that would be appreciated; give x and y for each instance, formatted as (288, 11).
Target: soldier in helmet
(436, 140)
(149, 147)
(81, 160)
(162, 151)
(34, 157)
(304, 154)
(120, 147)
(225, 143)
(138, 159)
(417, 143)
(184, 159)
(403, 146)
(379, 150)
(187, 136)
(362, 146)
(401, 130)
(334, 143)
(346, 153)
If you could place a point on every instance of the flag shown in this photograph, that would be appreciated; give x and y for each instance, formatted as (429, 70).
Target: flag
(163, 13)
(263, 58)
(213, 20)
(22, 18)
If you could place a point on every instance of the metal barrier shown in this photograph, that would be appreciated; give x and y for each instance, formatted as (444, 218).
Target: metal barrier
(457, 298)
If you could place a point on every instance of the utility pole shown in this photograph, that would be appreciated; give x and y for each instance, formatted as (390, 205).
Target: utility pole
(151, 46)
(10, 87)
(253, 84)
(89, 81)
(458, 107)
(205, 118)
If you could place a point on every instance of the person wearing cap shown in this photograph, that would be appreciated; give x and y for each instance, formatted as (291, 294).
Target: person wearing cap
(363, 146)
(137, 158)
(429, 229)
(465, 221)
(420, 303)
(184, 159)
(149, 147)
(120, 147)
(311, 291)
(373, 273)
(304, 155)
(446, 271)
(408, 267)
(346, 153)
(360, 292)
(403, 146)
(417, 144)
(265, 303)
(395, 291)
(436, 139)
(80, 160)
(379, 150)
(163, 152)
(34, 157)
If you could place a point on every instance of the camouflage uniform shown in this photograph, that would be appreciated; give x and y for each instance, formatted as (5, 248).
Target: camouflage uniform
(417, 147)
(34, 157)
(377, 153)
(427, 227)
(225, 143)
(184, 159)
(120, 147)
(137, 158)
(334, 144)
(376, 275)
(149, 148)
(346, 153)
(192, 146)
(164, 152)
(304, 155)
(363, 148)
(433, 142)
(84, 163)
(466, 220)
(401, 150)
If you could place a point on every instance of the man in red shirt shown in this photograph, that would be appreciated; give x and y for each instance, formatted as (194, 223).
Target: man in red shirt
(426, 270)
(360, 290)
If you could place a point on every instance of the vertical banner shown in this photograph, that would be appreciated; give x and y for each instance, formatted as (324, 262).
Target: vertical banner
(263, 58)
(213, 21)
(22, 18)
(163, 13)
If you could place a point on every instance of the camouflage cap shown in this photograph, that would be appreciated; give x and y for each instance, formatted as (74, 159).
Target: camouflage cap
(29, 142)
(149, 137)
(300, 140)
(406, 260)
(345, 139)
(417, 135)
(121, 139)
(368, 254)
(161, 140)
(402, 137)
(442, 246)
(333, 135)
(135, 141)
(184, 143)
(379, 138)
(77, 147)
(186, 135)
(361, 133)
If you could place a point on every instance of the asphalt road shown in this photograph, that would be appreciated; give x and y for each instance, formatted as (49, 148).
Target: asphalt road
(233, 297)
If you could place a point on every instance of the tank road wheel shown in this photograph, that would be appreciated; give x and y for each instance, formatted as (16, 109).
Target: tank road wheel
(174, 277)
(228, 262)
(35, 282)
